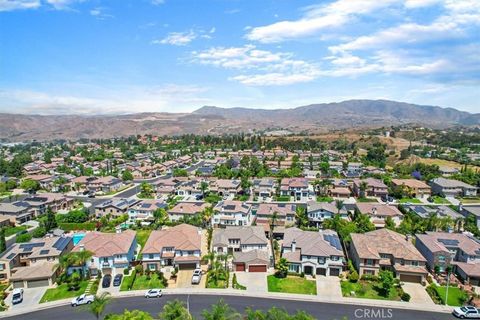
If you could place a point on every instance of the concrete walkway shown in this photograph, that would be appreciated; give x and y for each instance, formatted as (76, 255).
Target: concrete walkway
(417, 293)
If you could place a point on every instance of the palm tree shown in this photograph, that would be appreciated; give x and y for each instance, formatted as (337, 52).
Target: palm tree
(220, 311)
(175, 310)
(203, 187)
(98, 305)
(363, 188)
(207, 214)
(82, 257)
(273, 222)
(339, 205)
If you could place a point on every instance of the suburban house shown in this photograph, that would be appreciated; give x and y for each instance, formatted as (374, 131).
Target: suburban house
(314, 253)
(459, 250)
(144, 209)
(32, 264)
(55, 201)
(354, 170)
(415, 188)
(296, 187)
(104, 184)
(319, 211)
(385, 249)
(178, 246)
(248, 244)
(466, 211)
(111, 251)
(226, 187)
(264, 188)
(115, 206)
(232, 213)
(374, 187)
(285, 216)
(452, 188)
(378, 213)
(191, 187)
(187, 210)
(18, 211)
(439, 211)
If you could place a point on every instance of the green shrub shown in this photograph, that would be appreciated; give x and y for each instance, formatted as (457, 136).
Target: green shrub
(369, 277)
(40, 232)
(139, 269)
(405, 297)
(353, 276)
(67, 226)
(24, 237)
(126, 271)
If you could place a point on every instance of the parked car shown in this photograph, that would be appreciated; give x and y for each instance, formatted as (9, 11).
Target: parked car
(17, 296)
(117, 280)
(197, 276)
(107, 279)
(82, 299)
(153, 293)
(468, 312)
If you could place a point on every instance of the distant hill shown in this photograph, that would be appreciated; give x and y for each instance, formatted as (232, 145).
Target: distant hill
(214, 120)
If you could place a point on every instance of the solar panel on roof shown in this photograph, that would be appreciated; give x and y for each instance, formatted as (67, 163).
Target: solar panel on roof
(145, 205)
(61, 243)
(30, 246)
(229, 207)
(11, 255)
(333, 240)
(448, 242)
(44, 251)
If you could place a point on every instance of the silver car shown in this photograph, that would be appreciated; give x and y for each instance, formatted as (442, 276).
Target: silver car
(153, 293)
(197, 276)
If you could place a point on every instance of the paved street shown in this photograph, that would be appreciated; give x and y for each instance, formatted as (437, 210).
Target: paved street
(197, 303)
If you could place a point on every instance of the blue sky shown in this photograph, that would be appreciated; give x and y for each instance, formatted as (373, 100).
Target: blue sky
(125, 56)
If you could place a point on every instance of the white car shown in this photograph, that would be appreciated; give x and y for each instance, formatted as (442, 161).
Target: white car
(153, 293)
(197, 276)
(17, 296)
(467, 312)
(83, 299)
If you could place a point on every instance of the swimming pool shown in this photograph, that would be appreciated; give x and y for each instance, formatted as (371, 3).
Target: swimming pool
(77, 237)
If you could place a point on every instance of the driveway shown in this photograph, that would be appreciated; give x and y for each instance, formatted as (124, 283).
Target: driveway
(184, 279)
(329, 287)
(417, 293)
(31, 297)
(254, 281)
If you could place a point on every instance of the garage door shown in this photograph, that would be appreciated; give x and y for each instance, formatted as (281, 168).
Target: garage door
(240, 267)
(321, 271)
(258, 268)
(37, 283)
(410, 278)
(187, 266)
(334, 272)
(17, 284)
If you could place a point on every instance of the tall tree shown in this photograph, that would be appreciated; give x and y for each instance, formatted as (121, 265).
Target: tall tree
(97, 307)
(3, 243)
(175, 310)
(220, 311)
(50, 222)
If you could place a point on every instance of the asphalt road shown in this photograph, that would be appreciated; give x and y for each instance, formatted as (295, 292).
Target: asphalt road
(197, 303)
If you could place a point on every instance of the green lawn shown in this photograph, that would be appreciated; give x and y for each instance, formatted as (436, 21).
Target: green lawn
(142, 283)
(292, 284)
(221, 284)
(456, 297)
(409, 200)
(470, 200)
(62, 292)
(142, 236)
(367, 290)
(283, 198)
(440, 200)
(13, 230)
(324, 199)
(366, 200)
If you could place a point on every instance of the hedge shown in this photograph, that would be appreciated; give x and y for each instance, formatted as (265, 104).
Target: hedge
(67, 226)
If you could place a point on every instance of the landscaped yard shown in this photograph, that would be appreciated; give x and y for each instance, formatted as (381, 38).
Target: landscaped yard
(142, 236)
(367, 200)
(141, 282)
(409, 200)
(13, 230)
(367, 290)
(324, 199)
(63, 292)
(292, 284)
(470, 200)
(440, 200)
(456, 296)
(221, 284)
(283, 198)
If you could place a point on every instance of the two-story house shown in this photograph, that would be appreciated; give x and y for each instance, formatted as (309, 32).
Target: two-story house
(298, 188)
(317, 212)
(111, 251)
(232, 213)
(313, 253)
(378, 212)
(33, 264)
(369, 187)
(386, 249)
(185, 210)
(115, 206)
(178, 246)
(452, 188)
(144, 209)
(414, 187)
(226, 187)
(248, 244)
(461, 251)
(284, 212)
(264, 188)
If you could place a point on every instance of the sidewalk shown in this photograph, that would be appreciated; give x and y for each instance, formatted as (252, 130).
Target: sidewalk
(267, 295)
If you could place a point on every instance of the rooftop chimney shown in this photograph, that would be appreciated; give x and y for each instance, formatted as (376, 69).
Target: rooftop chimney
(294, 245)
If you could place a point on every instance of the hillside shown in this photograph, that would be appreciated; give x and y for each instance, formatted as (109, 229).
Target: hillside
(214, 120)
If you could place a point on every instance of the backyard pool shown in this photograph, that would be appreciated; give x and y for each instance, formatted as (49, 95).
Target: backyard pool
(77, 237)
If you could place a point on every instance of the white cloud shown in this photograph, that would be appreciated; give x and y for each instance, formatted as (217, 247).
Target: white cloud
(99, 13)
(413, 4)
(10, 5)
(177, 38)
(158, 2)
(62, 4)
(315, 19)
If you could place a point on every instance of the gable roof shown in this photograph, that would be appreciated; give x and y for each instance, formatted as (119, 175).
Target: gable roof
(107, 244)
(323, 243)
(180, 237)
(246, 234)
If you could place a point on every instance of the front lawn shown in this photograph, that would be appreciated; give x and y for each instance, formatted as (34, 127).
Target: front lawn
(283, 198)
(292, 284)
(366, 200)
(324, 199)
(456, 296)
(221, 283)
(439, 200)
(13, 230)
(409, 200)
(367, 290)
(470, 200)
(141, 282)
(63, 292)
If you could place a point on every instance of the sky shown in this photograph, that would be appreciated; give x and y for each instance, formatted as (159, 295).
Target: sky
(128, 56)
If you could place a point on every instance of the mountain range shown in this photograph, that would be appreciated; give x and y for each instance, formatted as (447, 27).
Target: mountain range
(214, 120)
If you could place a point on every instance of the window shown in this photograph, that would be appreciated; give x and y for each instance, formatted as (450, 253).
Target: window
(335, 258)
(321, 260)
(370, 272)
(441, 258)
(150, 256)
(369, 262)
(414, 263)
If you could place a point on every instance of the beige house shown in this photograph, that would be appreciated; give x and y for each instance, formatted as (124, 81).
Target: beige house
(186, 210)
(417, 188)
(384, 249)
